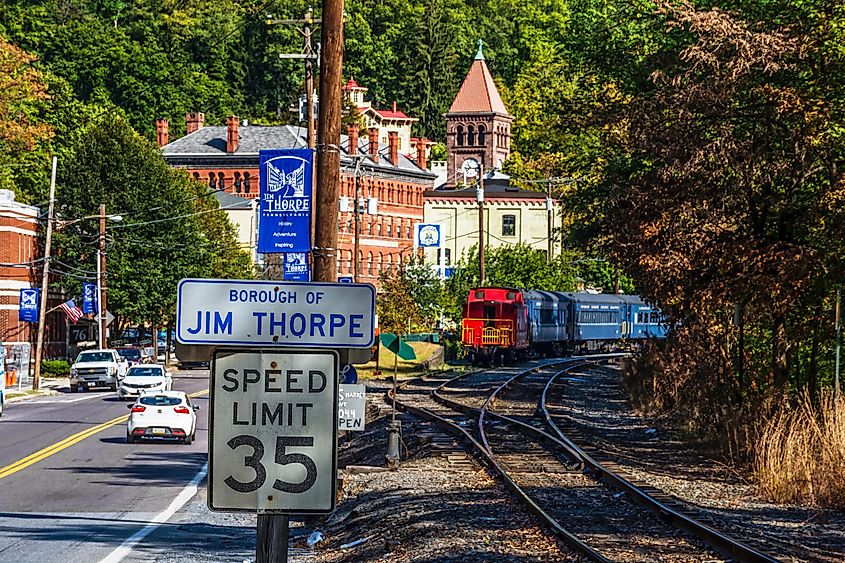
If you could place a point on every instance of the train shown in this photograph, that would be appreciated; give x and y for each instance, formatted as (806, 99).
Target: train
(502, 324)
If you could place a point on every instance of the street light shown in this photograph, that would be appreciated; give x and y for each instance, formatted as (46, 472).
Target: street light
(45, 277)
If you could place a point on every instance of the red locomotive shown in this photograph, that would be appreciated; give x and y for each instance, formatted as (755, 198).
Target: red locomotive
(495, 324)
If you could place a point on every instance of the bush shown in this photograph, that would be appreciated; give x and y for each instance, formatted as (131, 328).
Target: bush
(802, 453)
(55, 368)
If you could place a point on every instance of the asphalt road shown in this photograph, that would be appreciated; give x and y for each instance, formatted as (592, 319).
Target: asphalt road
(72, 489)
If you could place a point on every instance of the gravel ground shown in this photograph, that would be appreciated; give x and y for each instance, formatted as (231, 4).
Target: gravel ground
(595, 400)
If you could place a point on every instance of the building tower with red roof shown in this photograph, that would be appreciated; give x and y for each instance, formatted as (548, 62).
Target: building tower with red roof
(386, 121)
(478, 126)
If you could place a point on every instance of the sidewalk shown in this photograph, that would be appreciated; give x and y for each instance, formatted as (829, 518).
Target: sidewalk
(49, 386)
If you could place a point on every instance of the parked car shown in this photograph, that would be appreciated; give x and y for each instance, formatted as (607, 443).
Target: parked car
(142, 379)
(132, 354)
(167, 415)
(97, 368)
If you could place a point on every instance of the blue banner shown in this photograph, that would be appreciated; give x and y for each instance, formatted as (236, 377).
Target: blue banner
(296, 267)
(284, 213)
(89, 298)
(28, 311)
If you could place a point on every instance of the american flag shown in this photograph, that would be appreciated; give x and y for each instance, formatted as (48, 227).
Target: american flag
(73, 312)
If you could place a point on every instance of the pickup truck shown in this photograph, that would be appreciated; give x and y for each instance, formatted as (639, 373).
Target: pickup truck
(97, 368)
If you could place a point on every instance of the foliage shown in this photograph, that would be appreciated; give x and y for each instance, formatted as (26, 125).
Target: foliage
(409, 297)
(55, 368)
(160, 239)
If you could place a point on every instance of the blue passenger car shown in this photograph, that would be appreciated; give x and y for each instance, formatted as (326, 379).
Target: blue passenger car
(596, 318)
(549, 315)
(642, 320)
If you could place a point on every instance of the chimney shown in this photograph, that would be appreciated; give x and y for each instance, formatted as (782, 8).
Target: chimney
(162, 132)
(194, 122)
(232, 139)
(352, 133)
(373, 132)
(394, 106)
(393, 147)
(421, 150)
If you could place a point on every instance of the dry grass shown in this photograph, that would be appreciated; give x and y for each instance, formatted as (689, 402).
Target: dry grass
(423, 350)
(801, 455)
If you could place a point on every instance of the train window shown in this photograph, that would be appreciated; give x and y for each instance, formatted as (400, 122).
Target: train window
(479, 295)
(510, 296)
(508, 225)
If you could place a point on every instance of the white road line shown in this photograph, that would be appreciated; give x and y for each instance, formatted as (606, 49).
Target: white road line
(187, 494)
(55, 402)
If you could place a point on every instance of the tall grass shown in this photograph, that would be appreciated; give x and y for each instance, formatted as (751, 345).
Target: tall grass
(801, 454)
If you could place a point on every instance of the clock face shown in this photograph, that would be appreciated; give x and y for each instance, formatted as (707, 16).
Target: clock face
(470, 167)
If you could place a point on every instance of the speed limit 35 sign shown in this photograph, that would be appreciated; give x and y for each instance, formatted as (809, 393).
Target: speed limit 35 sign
(273, 426)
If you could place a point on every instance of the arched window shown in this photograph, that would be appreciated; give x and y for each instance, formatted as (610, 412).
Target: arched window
(360, 261)
(370, 263)
(237, 182)
(370, 228)
(196, 175)
(247, 180)
(471, 135)
(389, 262)
(212, 181)
(460, 135)
(378, 229)
(480, 134)
(380, 261)
(389, 228)
(221, 180)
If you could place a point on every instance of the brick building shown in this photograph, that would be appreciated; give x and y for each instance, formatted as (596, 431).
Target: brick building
(391, 185)
(18, 251)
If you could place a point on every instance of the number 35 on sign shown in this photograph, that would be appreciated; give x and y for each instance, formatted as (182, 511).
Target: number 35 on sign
(273, 444)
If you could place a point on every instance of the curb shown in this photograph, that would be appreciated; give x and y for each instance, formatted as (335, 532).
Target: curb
(46, 392)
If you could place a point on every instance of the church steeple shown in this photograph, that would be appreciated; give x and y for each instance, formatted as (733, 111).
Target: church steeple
(478, 125)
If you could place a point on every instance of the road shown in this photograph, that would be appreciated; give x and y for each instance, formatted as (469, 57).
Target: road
(72, 489)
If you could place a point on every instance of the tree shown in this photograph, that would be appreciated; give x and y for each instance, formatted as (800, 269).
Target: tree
(170, 230)
(409, 299)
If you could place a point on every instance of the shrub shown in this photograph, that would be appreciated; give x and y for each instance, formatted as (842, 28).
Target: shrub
(55, 368)
(802, 453)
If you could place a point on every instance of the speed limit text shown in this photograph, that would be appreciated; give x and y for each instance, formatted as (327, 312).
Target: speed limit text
(287, 382)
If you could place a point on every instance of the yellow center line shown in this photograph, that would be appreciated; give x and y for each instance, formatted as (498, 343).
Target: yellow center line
(13, 468)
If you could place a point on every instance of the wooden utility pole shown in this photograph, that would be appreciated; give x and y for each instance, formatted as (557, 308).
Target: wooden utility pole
(45, 276)
(550, 220)
(479, 195)
(357, 219)
(271, 539)
(328, 146)
(102, 279)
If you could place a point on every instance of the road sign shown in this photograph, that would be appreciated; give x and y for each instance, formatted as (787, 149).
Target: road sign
(344, 279)
(352, 407)
(109, 317)
(427, 235)
(258, 313)
(399, 347)
(273, 431)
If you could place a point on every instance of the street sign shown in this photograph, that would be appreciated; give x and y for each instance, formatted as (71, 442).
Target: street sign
(273, 431)
(348, 374)
(427, 235)
(396, 345)
(284, 213)
(109, 317)
(258, 313)
(352, 407)
(89, 298)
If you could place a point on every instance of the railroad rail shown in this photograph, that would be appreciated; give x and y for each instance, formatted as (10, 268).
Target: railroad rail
(454, 415)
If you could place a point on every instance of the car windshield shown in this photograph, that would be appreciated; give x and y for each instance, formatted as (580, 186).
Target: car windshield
(145, 371)
(160, 401)
(94, 357)
(130, 353)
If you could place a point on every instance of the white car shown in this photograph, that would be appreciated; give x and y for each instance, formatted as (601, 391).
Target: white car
(168, 414)
(142, 379)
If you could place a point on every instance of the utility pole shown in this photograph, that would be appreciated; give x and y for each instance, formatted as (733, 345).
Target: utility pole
(328, 150)
(357, 215)
(309, 57)
(101, 279)
(550, 219)
(479, 196)
(838, 343)
(45, 275)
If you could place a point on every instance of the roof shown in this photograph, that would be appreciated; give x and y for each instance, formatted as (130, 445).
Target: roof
(231, 201)
(351, 84)
(210, 142)
(478, 93)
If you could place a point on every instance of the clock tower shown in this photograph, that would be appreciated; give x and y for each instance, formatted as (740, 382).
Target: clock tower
(478, 126)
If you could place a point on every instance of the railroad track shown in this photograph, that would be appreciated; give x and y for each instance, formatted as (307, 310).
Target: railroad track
(493, 414)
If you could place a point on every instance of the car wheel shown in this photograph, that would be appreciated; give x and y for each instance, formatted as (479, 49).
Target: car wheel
(188, 439)
(113, 386)
(74, 389)
(130, 439)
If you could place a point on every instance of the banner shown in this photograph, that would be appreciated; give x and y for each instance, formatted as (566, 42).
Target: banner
(296, 267)
(89, 298)
(284, 211)
(28, 311)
